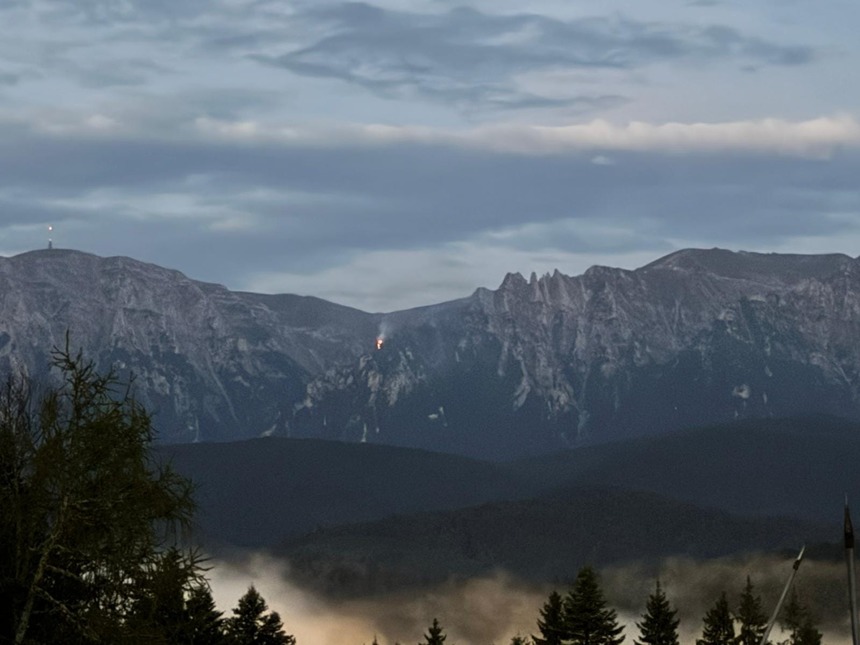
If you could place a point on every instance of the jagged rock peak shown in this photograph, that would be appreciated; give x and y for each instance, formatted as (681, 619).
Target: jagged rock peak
(513, 281)
(517, 280)
(768, 268)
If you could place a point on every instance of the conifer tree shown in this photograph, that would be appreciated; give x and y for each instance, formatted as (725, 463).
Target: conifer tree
(659, 624)
(435, 634)
(253, 624)
(808, 633)
(551, 622)
(205, 625)
(160, 601)
(587, 619)
(792, 616)
(750, 616)
(798, 622)
(86, 510)
(719, 627)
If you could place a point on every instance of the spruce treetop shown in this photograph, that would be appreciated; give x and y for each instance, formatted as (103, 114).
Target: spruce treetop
(750, 616)
(719, 626)
(435, 634)
(588, 621)
(253, 624)
(797, 620)
(551, 622)
(659, 624)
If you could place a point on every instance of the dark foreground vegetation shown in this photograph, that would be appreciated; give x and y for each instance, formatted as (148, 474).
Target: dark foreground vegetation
(94, 544)
(91, 540)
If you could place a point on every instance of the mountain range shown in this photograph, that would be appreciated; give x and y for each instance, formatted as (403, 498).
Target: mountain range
(257, 493)
(538, 365)
(353, 519)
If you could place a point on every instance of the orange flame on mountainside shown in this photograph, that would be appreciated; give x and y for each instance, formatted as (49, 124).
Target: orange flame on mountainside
(379, 343)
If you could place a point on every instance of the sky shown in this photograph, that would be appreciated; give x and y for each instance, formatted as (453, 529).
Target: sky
(390, 154)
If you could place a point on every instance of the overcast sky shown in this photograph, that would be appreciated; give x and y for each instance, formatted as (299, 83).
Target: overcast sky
(396, 153)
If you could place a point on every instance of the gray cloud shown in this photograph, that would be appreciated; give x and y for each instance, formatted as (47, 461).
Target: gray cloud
(8, 78)
(108, 12)
(715, 40)
(151, 129)
(102, 74)
(304, 210)
(463, 58)
(474, 57)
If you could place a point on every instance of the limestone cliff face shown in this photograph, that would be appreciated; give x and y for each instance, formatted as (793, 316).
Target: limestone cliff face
(211, 363)
(696, 337)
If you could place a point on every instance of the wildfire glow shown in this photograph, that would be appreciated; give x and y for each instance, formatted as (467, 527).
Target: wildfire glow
(379, 343)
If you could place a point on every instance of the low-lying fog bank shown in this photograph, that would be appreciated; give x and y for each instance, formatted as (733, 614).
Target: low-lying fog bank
(492, 609)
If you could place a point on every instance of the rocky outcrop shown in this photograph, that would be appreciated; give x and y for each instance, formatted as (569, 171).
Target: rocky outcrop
(696, 337)
(211, 363)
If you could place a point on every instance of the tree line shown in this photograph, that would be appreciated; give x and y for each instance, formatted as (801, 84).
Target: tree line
(94, 542)
(583, 617)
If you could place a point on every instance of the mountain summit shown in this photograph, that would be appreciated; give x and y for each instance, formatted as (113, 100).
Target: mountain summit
(696, 337)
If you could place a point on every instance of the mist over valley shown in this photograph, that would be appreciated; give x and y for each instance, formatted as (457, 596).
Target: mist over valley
(693, 421)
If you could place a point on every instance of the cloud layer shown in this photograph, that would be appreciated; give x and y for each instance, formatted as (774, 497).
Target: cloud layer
(389, 154)
(467, 57)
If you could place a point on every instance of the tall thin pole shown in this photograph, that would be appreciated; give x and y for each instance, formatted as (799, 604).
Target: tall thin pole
(779, 604)
(852, 577)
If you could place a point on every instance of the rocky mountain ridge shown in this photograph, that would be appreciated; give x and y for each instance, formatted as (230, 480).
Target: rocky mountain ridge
(211, 363)
(699, 336)
(696, 337)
